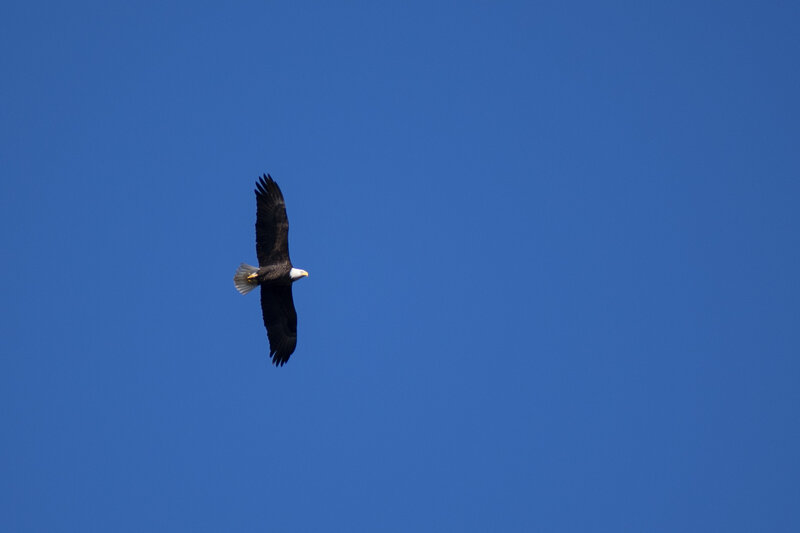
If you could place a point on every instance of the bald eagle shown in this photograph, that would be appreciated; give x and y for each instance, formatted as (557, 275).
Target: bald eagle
(275, 273)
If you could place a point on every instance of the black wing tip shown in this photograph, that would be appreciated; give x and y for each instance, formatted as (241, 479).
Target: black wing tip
(267, 187)
(281, 349)
(262, 186)
(279, 359)
(265, 180)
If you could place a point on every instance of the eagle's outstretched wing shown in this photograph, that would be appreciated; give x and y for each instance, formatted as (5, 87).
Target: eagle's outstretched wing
(272, 226)
(280, 319)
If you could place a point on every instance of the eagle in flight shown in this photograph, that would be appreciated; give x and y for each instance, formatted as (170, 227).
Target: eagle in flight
(275, 273)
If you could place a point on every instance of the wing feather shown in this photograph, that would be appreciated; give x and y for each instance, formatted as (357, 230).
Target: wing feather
(272, 225)
(280, 319)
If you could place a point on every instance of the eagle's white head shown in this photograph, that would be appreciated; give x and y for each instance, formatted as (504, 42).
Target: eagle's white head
(296, 273)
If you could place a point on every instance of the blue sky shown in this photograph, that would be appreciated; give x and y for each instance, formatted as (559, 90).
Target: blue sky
(553, 250)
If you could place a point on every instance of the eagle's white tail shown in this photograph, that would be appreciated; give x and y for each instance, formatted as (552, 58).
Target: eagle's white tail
(244, 279)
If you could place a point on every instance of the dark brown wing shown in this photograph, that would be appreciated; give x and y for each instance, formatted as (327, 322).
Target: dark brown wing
(272, 226)
(280, 318)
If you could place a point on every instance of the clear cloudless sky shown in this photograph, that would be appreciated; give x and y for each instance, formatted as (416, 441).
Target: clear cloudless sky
(553, 254)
